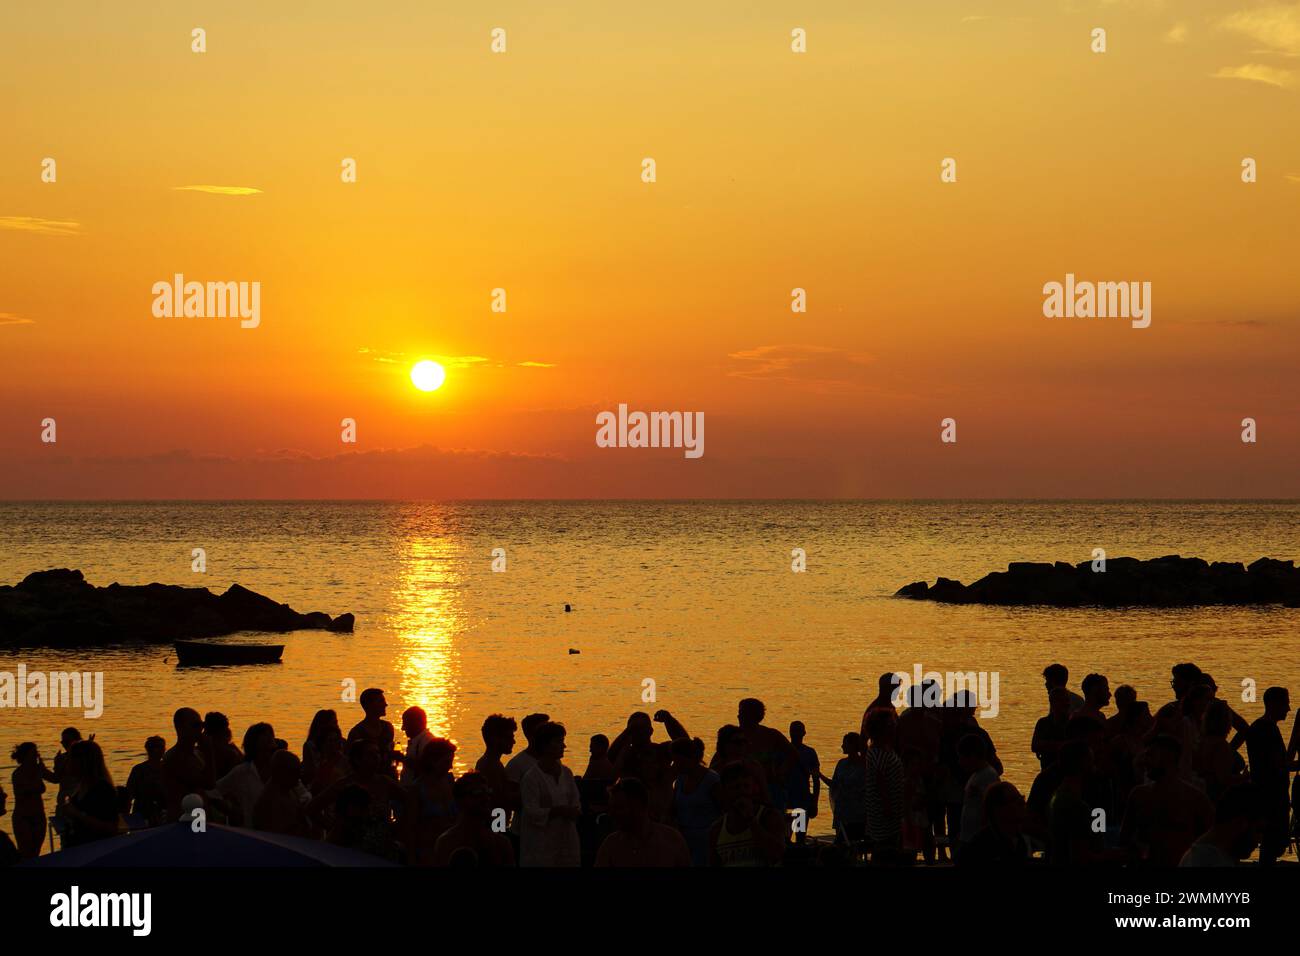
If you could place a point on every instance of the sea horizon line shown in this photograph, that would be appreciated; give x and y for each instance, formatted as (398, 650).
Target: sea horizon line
(663, 500)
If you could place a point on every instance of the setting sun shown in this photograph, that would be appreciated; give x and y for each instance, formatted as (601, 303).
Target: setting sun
(428, 376)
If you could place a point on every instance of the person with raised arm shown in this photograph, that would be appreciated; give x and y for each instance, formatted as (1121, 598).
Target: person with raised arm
(29, 779)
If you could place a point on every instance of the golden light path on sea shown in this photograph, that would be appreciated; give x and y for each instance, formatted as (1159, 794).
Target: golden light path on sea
(428, 614)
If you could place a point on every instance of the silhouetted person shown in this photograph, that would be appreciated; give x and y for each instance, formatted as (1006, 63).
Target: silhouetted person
(1073, 838)
(729, 747)
(1125, 698)
(242, 787)
(919, 725)
(1270, 772)
(29, 779)
(331, 761)
(600, 769)
(1096, 697)
(1195, 704)
(626, 750)
(498, 734)
(918, 829)
(281, 808)
(848, 786)
(768, 748)
(1238, 723)
(1001, 841)
(696, 797)
(63, 772)
(1215, 763)
(1058, 675)
(375, 832)
(980, 775)
(145, 784)
(1238, 819)
(887, 690)
(1165, 816)
(1049, 732)
(1100, 786)
(519, 765)
(1183, 677)
(804, 785)
(415, 724)
(652, 765)
(920, 729)
(1292, 756)
(91, 809)
(549, 804)
(323, 722)
(1170, 719)
(593, 789)
(471, 841)
(225, 755)
(885, 785)
(9, 854)
(188, 766)
(1132, 720)
(959, 719)
(964, 707)
(434, 790)
(637, 840)
(374, 728)
(1094, 793)
(749, 832)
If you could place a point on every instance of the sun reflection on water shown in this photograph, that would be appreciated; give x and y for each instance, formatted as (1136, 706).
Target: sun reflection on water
(428, 616)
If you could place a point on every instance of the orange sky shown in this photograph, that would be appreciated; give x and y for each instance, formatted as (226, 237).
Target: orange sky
(776, 170)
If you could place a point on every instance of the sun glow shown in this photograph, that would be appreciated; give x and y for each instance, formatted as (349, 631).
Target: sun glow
(428, 376)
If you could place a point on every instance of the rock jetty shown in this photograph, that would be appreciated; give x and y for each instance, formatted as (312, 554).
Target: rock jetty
(59, 608)
(1171, 581)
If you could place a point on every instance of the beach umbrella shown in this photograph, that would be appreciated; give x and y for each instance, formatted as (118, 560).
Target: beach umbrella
(176, 844)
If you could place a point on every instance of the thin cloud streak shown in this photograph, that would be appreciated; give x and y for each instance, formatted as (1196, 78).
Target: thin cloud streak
(1257, 73)
(220, 190)
(457, 362)
(816, 367)
(46, 227)
(1277, 26)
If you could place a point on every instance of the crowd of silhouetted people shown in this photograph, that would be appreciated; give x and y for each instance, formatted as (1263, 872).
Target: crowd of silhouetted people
(918, 782)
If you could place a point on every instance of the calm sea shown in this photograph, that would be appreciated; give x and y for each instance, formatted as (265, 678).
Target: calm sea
(697, 596)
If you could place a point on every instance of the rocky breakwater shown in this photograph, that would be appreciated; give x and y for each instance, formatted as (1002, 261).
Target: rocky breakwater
(1171, 581)
(59, 608)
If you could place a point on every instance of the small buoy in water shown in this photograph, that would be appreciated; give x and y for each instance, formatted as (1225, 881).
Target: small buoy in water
(574, 650)
(567, 609)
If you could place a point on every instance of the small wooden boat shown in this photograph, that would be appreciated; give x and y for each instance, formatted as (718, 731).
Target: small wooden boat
(198, 653)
